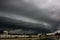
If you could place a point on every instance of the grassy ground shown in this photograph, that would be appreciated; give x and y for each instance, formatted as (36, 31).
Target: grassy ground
(26, 39)
(33, 38)
(21, 39)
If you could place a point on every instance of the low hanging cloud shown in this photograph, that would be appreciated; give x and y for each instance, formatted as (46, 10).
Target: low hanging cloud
(25, 19)
(21, 31)
(35, 12)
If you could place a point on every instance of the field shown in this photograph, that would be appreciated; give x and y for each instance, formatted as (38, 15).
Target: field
(21, 38)
(29, 37)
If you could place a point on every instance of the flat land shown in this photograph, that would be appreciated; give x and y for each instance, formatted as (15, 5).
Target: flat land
(19, 38)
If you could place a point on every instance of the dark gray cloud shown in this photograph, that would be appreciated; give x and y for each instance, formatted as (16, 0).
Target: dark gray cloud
(34, 15)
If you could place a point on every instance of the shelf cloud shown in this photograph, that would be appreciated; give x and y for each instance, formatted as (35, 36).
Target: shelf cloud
(35, 15)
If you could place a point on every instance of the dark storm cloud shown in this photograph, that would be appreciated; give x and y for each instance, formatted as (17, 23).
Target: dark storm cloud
(35, 15)
(22, 22)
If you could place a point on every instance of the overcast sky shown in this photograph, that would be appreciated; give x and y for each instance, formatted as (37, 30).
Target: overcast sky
(33, 15)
